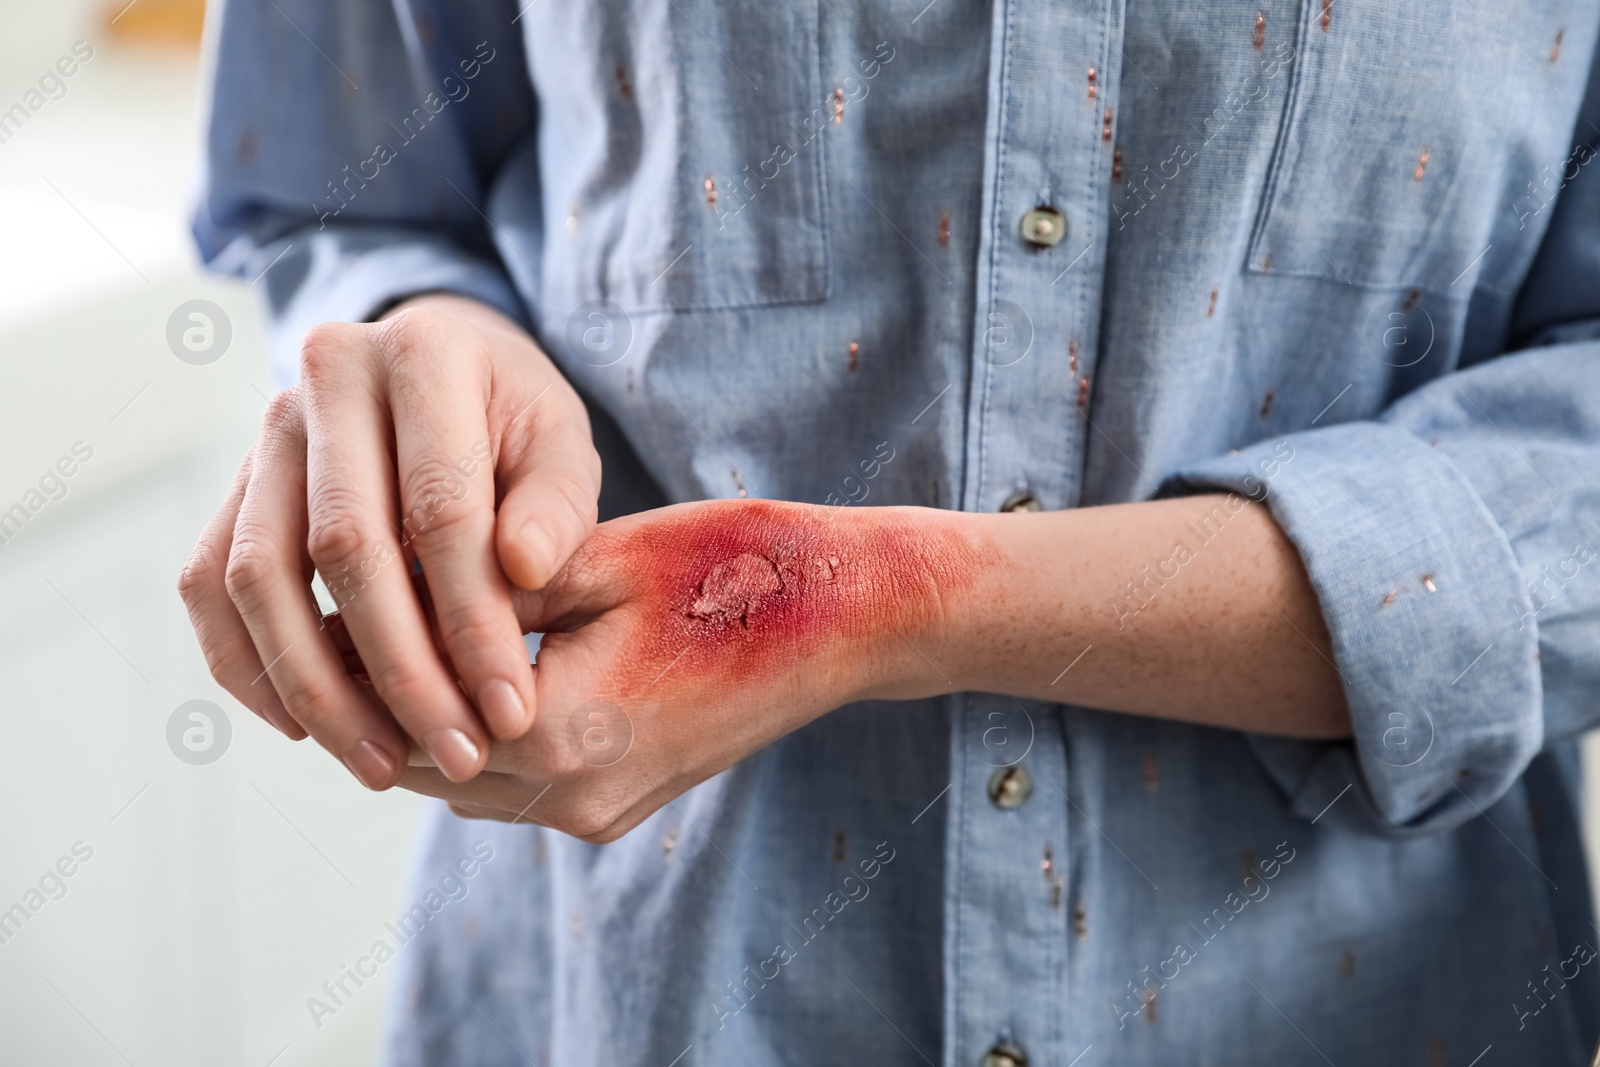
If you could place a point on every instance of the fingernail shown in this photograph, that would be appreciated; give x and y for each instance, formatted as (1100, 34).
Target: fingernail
(370, 764)
(503, 710)
(276, 714)
(454, 753)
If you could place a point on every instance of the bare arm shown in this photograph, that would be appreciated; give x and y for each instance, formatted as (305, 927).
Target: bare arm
(1196, 609)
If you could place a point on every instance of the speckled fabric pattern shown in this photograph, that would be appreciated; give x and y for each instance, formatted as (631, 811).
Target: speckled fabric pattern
(1342, 256)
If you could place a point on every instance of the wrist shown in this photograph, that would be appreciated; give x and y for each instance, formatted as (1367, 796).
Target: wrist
(948, 595)
(1021, 603)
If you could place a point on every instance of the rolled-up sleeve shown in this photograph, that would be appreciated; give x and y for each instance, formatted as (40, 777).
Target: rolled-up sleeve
(1424, 599)
(350, 152)
(1454, 544)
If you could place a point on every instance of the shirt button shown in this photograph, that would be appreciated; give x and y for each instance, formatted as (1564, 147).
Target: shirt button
(1022, 500)
(1005, 1055)
(1010, 787)
(1044, 226)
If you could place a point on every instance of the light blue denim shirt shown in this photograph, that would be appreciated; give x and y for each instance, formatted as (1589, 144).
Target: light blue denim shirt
(1342, 255)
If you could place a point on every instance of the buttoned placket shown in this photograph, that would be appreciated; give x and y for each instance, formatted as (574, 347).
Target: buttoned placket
(1038, 292)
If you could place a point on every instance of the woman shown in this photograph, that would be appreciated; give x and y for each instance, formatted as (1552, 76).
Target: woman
(1205, 688)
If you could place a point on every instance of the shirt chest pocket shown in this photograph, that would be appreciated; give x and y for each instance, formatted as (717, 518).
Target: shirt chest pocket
(681, 153)
(1413, 138)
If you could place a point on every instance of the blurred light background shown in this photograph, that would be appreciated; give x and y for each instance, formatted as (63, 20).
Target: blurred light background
(217, 898)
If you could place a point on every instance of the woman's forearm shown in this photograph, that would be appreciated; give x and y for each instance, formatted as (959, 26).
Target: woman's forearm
(1196, 609)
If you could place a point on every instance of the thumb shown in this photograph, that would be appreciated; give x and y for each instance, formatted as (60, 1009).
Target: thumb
(549, 508)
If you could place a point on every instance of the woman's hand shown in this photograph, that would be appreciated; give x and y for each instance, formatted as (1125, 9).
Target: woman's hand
(681, 640)
(441, 436)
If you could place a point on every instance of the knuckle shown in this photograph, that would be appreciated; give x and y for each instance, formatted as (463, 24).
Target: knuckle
(283, 404)
(308, 700)
(414, 344)
(435, 497)
(326, 347)
(229, 662)
(464, 628)
(423, 349)
(335, 537)
(283, 413)
(590, 818)
(542, 755)
(250, 575)
(333, 543)
(560, 762)
(399, 683)
(412, 329)
(198, 576)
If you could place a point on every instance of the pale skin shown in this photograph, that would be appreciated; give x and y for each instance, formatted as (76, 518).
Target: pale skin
(681, 640)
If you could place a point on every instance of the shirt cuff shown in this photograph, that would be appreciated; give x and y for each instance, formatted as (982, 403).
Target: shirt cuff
(341, 275)
(1432, 630)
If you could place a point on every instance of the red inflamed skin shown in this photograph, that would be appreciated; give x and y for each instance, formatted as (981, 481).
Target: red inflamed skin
(733, 592)
(679, 641)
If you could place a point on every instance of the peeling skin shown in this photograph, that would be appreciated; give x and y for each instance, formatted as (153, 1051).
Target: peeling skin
(736, 590)
(738, 586)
